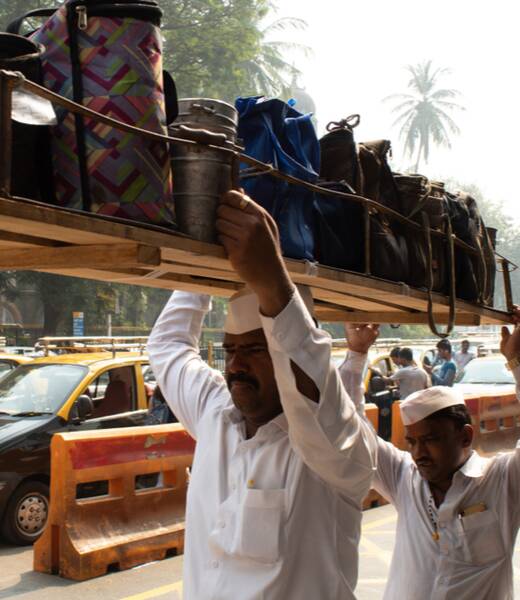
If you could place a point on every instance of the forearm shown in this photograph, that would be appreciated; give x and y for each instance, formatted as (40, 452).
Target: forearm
(447, 380)
(329, 436)
(351, 373)
(516, 375)
(177, 330)
(185, 379)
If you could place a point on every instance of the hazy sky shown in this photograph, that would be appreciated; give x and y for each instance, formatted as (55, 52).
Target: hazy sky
(360, 49)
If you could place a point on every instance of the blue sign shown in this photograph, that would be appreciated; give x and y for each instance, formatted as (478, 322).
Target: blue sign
(78, 324)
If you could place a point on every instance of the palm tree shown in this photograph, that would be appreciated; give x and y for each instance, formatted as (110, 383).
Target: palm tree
(269, 73)
(423, 114)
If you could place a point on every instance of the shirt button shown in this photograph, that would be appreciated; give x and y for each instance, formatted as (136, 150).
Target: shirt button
(214, 564)
(223, 524)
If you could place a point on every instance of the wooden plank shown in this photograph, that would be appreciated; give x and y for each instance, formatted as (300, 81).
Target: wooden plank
(189, 264)
(355, 302)
(77, 257)
(32, 218)
(168, 281)
(334, 314)
(14, 240)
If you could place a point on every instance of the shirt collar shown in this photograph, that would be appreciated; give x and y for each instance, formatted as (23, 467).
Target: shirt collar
(474, 466)
(232, 415)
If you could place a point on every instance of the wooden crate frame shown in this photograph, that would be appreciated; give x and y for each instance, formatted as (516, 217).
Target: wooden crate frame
(120, 251)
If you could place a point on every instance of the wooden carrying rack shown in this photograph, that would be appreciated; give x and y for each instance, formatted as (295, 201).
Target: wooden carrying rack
(80, 244)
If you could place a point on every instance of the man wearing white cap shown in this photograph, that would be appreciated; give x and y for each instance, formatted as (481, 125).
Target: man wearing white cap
(282, 461)
(458, 513)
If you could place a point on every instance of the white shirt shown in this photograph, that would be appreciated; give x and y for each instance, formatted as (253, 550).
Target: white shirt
(410, 379)
(276, 516)
(472, 560)
(462, 359)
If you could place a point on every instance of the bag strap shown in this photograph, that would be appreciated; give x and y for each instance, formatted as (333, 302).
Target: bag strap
(452, 290)
(422, 200)
(79, 122)
(482, 262)
(488, 252)
(16, 25)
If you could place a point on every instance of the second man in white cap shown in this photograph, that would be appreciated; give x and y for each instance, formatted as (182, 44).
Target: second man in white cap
(458, 512)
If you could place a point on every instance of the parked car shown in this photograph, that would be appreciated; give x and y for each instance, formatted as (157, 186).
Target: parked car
(486, 375)
(23, 350)
(66, 393)
(9, 361)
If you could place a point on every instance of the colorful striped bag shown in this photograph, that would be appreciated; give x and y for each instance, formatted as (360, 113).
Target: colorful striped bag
(107, 56)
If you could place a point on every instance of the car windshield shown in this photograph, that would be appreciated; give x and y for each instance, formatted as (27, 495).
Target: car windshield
(487, 371)
(5, 367)
(38, 389)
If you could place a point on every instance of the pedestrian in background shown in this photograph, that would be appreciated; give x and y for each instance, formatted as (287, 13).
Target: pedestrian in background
(445, 374)
(394, 356)
(463, 356)
(410, 378)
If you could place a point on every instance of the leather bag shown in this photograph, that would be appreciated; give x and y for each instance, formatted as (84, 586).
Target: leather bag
(275, 133)
(31, 166)
(107, 57)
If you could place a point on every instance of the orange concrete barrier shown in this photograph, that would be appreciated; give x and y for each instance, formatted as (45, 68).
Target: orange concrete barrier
(372, 414)
(84, 538)
(398, 433)
(493, 413)
(489, 414)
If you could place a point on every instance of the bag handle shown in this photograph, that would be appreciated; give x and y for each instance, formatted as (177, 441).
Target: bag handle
(171, 102)
(16, 25)
(452, 291)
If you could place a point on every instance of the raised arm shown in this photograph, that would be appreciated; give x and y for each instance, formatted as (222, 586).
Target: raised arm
(324, 427)
(391, 462)
(187, 382)
(510, 348)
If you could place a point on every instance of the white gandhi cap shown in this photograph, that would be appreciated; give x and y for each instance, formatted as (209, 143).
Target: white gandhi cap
(424, 403)
(243, 313)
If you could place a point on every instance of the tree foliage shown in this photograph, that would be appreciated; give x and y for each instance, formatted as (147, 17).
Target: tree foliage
(423, 115)
(213, 48)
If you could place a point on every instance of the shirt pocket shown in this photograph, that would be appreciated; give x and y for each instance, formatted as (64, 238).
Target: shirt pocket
(481, 538)
(260, 525)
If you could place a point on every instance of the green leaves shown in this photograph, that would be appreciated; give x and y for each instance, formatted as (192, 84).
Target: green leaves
(423, 114)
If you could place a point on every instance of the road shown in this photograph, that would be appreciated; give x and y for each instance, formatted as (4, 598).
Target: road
(164, 579)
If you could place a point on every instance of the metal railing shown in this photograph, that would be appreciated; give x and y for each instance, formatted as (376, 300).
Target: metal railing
(93, 344)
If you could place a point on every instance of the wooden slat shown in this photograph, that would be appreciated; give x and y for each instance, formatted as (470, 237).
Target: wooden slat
(85, 245)
(33, 218)
(18, 240)
(168, 281)
(335, 314)
(78, 256)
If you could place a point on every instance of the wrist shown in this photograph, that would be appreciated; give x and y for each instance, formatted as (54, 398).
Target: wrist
(274, 298)
(358, 348)
(513, 361)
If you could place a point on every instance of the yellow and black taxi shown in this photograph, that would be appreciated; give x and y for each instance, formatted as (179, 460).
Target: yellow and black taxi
(85, 387)
(9, 361)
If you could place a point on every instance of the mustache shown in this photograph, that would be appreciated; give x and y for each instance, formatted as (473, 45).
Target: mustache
(242, 378)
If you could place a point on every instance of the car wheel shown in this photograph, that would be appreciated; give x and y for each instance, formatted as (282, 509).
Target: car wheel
(26, 513)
